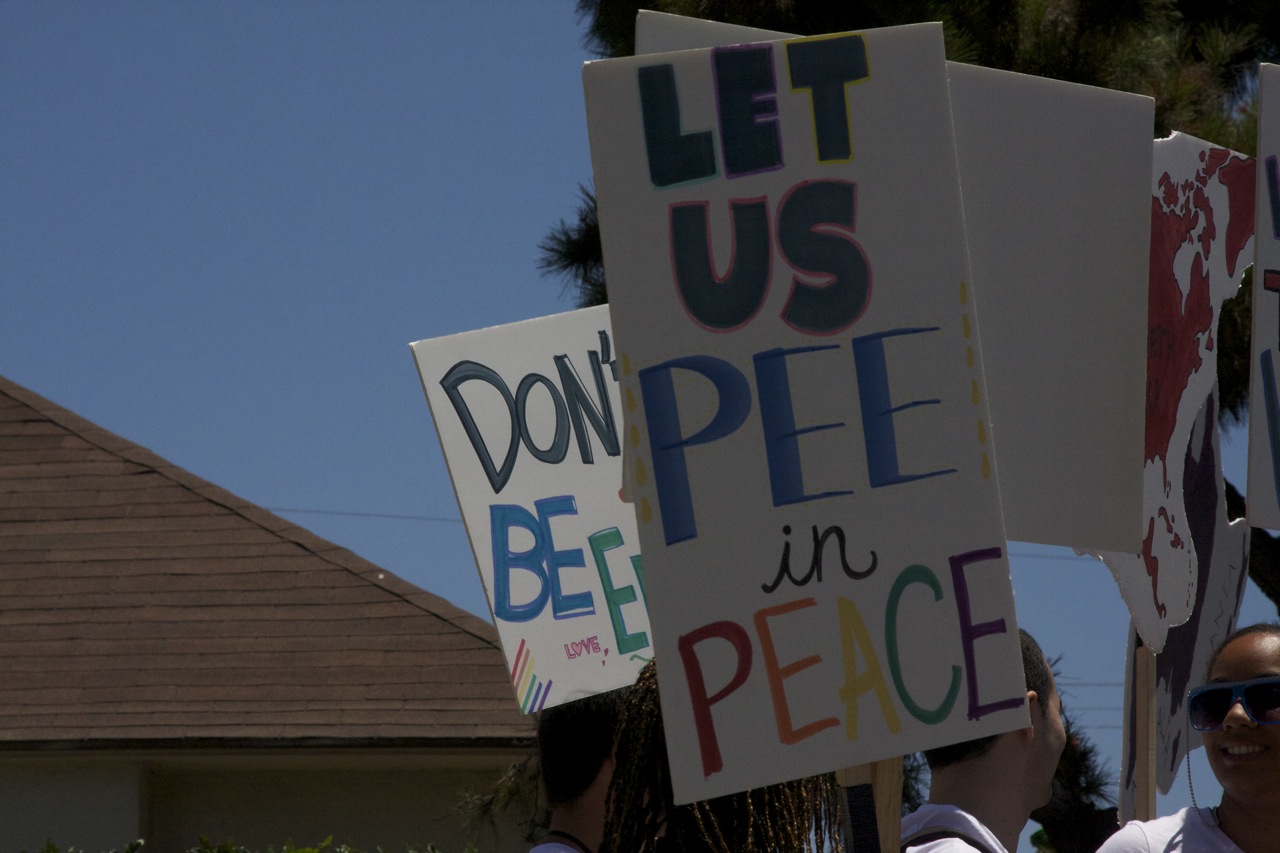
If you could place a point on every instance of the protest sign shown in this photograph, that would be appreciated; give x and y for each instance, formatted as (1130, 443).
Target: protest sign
(814, 472)
(1056, 187)
(1264, 390)
(528, 417)
(1201, 227)
(1221, 551)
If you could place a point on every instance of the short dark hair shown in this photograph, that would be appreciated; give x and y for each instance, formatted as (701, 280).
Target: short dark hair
(1269, 628)
(574, 741)
(1035, 670)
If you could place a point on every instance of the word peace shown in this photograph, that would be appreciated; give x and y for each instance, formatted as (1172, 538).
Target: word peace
(854, 637)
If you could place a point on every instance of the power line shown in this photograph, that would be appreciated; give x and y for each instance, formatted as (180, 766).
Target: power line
(1031, 555)
(365, 514)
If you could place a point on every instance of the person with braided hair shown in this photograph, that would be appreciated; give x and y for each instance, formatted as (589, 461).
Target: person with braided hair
(791, 817)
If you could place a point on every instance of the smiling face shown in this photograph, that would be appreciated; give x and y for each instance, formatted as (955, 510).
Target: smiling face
(1244, 756)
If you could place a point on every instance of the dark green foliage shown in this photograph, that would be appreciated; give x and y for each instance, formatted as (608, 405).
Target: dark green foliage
(1082, 813)
(915, 782)
(572, 252)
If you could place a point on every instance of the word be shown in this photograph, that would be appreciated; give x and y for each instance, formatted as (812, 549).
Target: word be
(571, 406)
(578, 648)
(855, 641)
(668, 445)
(545, 562)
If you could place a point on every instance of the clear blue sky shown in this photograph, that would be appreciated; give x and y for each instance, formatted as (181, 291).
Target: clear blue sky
(221, 224)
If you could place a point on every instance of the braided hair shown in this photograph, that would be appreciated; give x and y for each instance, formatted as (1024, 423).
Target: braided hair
(790, 817)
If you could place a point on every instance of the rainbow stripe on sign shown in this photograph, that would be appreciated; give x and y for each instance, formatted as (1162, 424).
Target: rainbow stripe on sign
(530, 693)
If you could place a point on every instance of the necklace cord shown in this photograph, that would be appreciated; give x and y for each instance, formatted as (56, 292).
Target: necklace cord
(574, 840)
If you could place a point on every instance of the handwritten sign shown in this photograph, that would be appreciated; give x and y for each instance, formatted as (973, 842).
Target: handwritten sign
(1055, 178)
(1221, 549)
(1201, 227)
(805, 408)
(529, 421)
(1264, 386)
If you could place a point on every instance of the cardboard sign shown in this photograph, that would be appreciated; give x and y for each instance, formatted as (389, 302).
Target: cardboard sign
(1201, 227)
(814, 472)
(1221, 550)
(529, 420)
(1057, 214)
(1264, 387)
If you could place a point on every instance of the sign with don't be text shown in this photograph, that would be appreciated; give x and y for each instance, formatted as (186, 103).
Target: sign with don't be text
(529, 422)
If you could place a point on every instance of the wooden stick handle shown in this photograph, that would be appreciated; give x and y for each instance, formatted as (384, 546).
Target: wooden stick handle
(873, 805)
(1144, 736)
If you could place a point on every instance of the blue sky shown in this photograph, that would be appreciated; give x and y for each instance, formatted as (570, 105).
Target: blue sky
(221, 224)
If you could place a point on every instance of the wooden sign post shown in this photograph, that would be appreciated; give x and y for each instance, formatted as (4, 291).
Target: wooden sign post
(873, 805)
(529, 419)
(1144, 737)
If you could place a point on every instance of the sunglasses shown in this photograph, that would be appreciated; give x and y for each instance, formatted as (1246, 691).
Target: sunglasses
(1208, 706)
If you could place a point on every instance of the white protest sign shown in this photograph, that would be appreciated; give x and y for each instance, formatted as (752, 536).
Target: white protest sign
(1264, 390)
(1201, 227)
(1221, 550)
(814, 476)
(1057, 214)
(529, 421)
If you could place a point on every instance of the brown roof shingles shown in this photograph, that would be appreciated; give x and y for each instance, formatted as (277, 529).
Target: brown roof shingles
(143, 606)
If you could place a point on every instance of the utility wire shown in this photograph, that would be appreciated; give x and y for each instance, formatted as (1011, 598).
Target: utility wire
(365, 514)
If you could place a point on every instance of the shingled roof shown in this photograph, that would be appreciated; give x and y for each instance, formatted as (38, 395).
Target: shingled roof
(141, 606)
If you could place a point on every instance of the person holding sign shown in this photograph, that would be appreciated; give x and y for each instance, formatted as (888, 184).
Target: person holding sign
(1237, 713)
(981, 792)
(799, 816)
(575, 761)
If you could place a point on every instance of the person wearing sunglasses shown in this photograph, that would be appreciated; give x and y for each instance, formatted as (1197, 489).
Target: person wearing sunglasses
(1238, 714)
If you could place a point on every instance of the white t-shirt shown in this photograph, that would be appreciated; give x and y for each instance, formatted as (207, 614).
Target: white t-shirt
(553, 847)
(1190, 829)
(942, 817)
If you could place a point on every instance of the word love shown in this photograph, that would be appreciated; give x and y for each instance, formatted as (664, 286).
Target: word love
(815, 220)
(578, 648)
(864, 660)
(572, 407)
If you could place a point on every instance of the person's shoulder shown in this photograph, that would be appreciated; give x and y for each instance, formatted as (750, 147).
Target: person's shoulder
(1142, 836)
(935, 828)
(943, 843)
